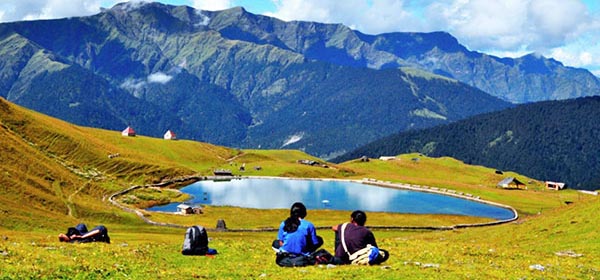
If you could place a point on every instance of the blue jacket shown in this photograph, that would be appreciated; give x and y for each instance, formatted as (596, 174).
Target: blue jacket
(298, 242)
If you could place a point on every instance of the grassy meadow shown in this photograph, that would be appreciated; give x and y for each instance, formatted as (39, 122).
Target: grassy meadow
(54, 175)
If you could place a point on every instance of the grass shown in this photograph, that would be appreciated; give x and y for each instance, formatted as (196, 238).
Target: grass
(151, 196)
(54, 175)
(141, 251)
(241, 218)
(453, 174)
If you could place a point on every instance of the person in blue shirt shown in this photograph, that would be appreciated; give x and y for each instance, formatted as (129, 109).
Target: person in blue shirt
(296, 238)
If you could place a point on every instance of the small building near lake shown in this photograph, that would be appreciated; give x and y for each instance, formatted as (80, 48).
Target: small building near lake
(307, 162)
(222, 172)
(557, 186)
(188, 209)
(510, 183)
(185, 209)
(386, 158)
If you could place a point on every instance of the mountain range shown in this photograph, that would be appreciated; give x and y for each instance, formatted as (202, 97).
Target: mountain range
(550, 140)
(243, 80)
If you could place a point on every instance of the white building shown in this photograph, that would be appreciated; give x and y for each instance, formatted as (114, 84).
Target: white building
(170, 135)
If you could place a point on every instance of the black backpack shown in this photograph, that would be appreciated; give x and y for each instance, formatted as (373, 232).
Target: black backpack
(195, 241)
(321, 256)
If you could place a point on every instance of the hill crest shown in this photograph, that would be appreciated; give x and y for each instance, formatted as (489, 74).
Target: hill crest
(556, 143)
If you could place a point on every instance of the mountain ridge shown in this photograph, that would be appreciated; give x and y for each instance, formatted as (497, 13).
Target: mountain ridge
(232, 78)
(439, 52)
(159, 67)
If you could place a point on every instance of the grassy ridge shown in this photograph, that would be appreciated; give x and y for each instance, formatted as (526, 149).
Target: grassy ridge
(453, 174)
(54, 174)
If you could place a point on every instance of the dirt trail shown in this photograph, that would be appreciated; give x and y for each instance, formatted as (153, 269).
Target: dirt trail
(69, 203)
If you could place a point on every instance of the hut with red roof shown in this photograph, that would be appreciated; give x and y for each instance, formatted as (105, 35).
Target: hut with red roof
(128, 132)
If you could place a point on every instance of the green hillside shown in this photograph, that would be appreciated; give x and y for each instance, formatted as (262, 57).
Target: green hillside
(54, 174)
(552, 140)
(60, 168)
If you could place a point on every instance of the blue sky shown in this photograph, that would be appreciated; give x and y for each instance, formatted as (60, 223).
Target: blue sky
(567, 30)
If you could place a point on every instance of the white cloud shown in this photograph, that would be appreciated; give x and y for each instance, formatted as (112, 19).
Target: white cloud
(511, 53)
(204, 19)
(212, 5)
(577, 57)
(159, 77)
(133, 5)
(483, 22)
(16, 10)
(366, 16)
(293, 139)
(135, 86)
(536, 25)
(586, 58)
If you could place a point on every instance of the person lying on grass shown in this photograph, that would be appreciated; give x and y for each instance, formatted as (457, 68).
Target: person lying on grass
(80, 234)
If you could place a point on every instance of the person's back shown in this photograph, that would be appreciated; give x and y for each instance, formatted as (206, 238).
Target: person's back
(302, 241)
(356, 238)
(297, 241)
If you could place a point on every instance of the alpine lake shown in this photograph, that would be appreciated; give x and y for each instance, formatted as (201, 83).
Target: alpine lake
(330, 194)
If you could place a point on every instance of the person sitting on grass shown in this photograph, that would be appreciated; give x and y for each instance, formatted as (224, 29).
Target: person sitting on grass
(356, 237)
(80, 234)
(297, 240)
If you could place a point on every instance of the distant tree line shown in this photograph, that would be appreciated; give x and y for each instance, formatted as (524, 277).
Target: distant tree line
(551, 140)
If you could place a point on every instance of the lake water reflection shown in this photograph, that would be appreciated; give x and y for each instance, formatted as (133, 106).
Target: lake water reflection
(338, 195)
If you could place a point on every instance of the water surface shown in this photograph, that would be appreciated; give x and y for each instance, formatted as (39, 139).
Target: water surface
(338, 195)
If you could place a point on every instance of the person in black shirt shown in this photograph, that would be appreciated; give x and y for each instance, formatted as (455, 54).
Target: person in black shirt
(81, 234)
(356, 237)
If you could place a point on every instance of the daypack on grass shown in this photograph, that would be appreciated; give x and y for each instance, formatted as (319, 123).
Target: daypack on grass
(365, 256)
(320, 256)
(195, 241)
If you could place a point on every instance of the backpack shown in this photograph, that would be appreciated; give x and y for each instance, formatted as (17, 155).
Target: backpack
(365, 256)
(320, 256)
(195, 241)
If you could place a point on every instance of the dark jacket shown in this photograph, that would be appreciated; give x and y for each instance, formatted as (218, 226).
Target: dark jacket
(356, 238)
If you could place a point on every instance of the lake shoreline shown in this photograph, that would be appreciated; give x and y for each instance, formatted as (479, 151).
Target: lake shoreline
(378, 183)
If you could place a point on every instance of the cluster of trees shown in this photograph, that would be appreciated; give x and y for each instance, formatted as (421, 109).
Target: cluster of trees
(551, 140)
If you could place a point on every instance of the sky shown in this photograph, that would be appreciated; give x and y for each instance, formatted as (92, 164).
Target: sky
(566, 30)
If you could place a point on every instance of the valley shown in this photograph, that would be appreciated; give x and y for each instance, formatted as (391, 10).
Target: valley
(35, 198)
(245, 95)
